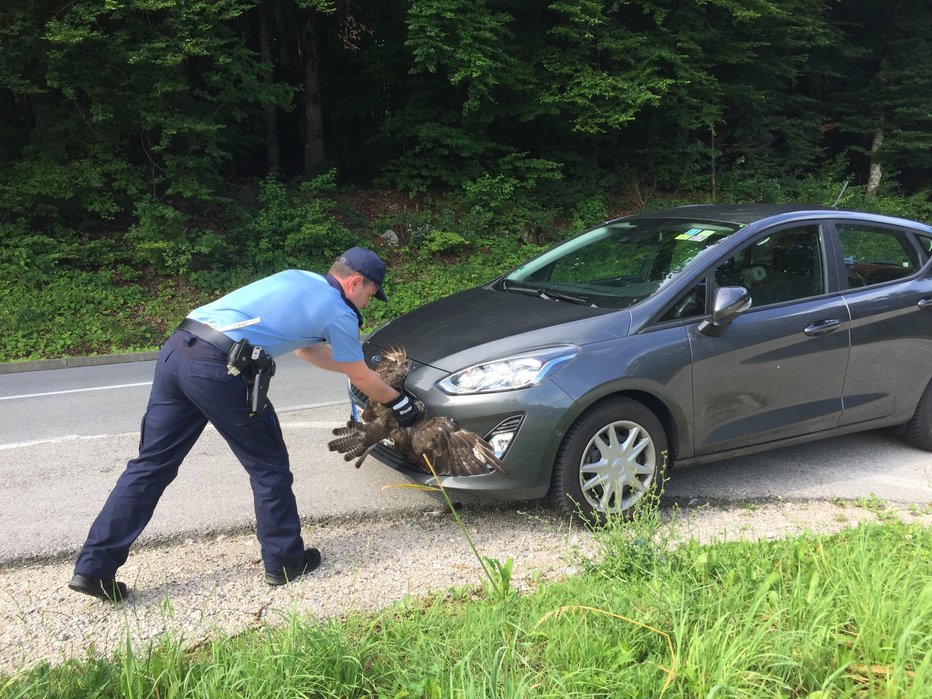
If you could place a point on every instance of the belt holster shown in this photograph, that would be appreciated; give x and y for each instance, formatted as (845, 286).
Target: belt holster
(257, 368)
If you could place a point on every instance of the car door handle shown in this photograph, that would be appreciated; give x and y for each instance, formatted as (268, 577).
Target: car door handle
(925, 303)
(822, 327)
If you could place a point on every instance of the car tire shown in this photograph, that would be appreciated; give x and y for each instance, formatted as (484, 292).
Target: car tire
(919, 428)
(620, 438)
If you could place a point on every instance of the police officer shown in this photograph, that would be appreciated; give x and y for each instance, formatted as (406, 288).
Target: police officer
(318, 318)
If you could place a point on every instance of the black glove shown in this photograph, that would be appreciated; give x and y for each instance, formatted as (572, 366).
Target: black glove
(405, 409)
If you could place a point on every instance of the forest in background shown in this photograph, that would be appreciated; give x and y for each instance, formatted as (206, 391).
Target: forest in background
(154, 153)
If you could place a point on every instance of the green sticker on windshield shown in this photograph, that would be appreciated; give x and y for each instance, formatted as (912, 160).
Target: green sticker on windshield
(688, 235)
(696, 235)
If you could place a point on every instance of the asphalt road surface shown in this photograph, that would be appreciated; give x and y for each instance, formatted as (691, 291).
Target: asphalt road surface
(65, 435)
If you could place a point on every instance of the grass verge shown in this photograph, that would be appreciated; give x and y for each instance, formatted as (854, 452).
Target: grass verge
(848, 615)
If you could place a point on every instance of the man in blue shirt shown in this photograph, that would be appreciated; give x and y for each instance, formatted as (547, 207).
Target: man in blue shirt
(316, 317)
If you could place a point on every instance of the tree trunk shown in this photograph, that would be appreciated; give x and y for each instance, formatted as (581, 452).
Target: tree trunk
(876, 169)
(314, 158)
(273, 159)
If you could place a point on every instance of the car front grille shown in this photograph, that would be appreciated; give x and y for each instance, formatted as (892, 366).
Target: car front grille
(384, 452)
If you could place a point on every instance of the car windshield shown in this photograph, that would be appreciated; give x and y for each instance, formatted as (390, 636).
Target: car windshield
(619, 264)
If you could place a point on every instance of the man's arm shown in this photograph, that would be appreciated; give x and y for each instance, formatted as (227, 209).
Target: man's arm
(320, 356)
(361, 376)
(369, 382)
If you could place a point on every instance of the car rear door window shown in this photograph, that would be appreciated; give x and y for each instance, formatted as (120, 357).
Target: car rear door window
(925, 242)
(783, 266)
(875, 255)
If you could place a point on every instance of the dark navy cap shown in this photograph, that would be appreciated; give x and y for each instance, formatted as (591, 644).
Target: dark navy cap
(369, 265)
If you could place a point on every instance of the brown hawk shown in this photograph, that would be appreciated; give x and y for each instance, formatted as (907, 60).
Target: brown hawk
(452, 450)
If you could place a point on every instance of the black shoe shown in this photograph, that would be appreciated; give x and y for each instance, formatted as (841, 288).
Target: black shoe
(289, 573)
(107, 588)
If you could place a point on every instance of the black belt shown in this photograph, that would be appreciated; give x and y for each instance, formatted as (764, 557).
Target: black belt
(207, 333)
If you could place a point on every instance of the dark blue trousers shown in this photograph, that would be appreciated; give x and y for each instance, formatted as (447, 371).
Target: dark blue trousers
(191, 388)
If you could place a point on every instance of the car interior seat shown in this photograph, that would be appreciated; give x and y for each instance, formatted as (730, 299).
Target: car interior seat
(795, 271)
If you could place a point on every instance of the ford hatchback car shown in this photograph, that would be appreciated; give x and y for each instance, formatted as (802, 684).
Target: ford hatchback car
(676, 337)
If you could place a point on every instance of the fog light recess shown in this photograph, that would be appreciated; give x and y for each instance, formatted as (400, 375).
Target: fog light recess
(501, 436)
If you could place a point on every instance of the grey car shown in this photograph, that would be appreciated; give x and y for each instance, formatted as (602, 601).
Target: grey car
(676, 337)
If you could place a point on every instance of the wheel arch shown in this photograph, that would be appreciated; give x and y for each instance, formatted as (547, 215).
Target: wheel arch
(663, 413)
(657, 406)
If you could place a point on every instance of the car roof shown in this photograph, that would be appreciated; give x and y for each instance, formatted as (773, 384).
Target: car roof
(745, 214)
(731, 213)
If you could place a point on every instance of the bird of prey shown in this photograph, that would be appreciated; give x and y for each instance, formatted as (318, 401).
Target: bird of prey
(452, 450)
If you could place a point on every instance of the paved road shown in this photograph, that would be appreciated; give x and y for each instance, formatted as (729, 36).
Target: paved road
(111, 398)
(65, 436)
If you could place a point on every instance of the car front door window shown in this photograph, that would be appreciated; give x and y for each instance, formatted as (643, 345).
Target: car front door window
(783, 266)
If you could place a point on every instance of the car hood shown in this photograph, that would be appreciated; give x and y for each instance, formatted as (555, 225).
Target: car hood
(481, 323)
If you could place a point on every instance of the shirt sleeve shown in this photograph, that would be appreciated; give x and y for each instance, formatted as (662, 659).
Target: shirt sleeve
(343, 336)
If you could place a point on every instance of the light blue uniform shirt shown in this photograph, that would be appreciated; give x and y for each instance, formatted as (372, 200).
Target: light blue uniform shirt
(295, 309)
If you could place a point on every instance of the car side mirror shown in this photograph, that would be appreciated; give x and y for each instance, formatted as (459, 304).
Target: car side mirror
(728, 304)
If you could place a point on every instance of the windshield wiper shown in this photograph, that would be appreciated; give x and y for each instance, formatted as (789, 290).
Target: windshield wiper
(551, 294)
(548, 294)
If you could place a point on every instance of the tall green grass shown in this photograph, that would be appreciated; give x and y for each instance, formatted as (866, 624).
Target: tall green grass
(848, 615)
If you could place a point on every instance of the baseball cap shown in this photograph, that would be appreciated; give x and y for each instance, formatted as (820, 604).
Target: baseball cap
(368, 264)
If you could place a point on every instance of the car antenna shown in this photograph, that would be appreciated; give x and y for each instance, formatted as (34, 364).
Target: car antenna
(838, 199)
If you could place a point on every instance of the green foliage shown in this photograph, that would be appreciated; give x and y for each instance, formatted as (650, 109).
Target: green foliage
(83, 313)
(917, 206)
(590, 211)
(436, 151)
(882, 82)
(465, 40)
(631, 546)
(411, 285)
(437, 242)
(66, 296)
(126, 98)
(294, 227)
(599, 71)
(145, 116)
(509, 197)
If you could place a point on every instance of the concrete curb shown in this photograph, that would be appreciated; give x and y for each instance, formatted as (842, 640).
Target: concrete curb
(72, 362)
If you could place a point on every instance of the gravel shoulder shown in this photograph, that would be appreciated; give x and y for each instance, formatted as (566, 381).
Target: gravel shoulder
(197, 588)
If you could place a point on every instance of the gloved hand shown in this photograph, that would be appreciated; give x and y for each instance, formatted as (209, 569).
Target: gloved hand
(405, 409)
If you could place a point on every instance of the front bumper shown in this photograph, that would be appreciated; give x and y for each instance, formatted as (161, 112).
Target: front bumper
(529, 458)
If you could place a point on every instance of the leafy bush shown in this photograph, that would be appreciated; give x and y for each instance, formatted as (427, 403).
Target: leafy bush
(85, 313)
(589, 212)
(294, 227)
(441, 242)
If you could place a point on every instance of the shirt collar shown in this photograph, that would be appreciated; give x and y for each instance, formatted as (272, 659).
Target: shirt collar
(332, 281)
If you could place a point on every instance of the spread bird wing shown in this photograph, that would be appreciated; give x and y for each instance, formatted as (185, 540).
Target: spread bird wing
(452, 450)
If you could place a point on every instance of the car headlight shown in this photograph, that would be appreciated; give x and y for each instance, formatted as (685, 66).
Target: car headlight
(509, 373)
